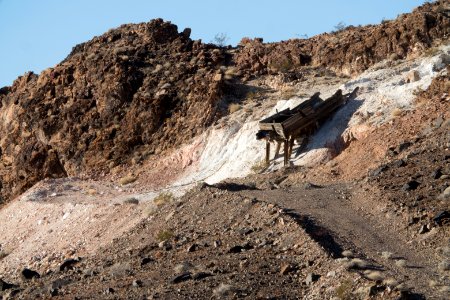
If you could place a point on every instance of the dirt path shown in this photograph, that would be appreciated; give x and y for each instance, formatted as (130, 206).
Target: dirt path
(335, 217)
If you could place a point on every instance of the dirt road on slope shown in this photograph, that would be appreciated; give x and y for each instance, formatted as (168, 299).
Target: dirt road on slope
(344, 217)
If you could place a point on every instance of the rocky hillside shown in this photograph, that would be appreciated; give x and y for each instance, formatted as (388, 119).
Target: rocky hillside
(144, 88)
(351, 50)
(116, 99)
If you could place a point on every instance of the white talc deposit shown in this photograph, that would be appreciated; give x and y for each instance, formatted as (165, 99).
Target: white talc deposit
(231, 151)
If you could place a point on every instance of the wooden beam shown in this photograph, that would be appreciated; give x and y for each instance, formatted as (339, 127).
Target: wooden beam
(286, 152)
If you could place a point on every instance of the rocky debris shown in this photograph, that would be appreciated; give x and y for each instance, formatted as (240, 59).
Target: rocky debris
(286, 268)
(442, 217)
(436, 174)
(127, 179)
(137, 283)
(28, 274)
(240, 248)
(424, 229)
(117, 99)
(5, 285)
(412, 76)
(224, 290)
(349, 51)
(181, 277)
(146, 260)
(68, 264)
(445, 194)
(166, 245)
(133, 201)
(192, 247)
(417, 188)
(201, 275)
(311, 278)
(410, 185)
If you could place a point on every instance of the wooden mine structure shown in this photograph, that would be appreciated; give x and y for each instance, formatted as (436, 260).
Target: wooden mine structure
(300, 122)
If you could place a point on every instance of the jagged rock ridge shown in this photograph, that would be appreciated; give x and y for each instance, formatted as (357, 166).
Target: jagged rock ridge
(122, 96)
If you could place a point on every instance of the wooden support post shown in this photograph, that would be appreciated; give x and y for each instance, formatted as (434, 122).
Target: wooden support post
(286, 152)
(277, 150)
(291, 145)
(267, 151)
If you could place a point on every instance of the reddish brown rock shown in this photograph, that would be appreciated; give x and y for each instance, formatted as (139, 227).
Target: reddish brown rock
(121, 95)
(352, 50)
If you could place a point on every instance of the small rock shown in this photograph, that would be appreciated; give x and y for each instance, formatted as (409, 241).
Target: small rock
(137, 283)
(59, 283)
(132, 201)
(109, 291)
(88, 273)
(183, 267)
(285, 269)
(436, 174)
(412, 76)
(311, 278)
(441, 217)
(218, 77)
(217, 243)
(413, 220)
(378, 171)
(410, 186)
(192, 248)
(423, 229)
(331, 274)
(403, 146)
(145, 261)
(68, 264)
(224, 290)
(310, 186)
(53, 292)
(127, 179)
(165, 245)
(445, 194)
(347, 253)
(444, 265)
(5, 286)
(438, 122)
(239, 249)
(245, 231)
(182, 277)
(201, 275)
(399, 163)
(186, 32)
(29, 274)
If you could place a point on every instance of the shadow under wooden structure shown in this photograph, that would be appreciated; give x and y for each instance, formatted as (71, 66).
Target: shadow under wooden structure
(300, 122)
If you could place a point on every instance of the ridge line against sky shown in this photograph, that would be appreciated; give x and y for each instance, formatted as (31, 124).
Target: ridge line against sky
(38, 34)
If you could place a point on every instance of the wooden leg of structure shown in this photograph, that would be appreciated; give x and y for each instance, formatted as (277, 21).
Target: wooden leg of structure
(267, 151)
(286, 152)
(291, 145)
(277, 150)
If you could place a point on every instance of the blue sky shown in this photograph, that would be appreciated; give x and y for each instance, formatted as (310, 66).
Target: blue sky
(37, 34)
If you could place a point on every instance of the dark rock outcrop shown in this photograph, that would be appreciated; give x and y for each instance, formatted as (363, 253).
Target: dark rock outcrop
(134, 91)
(352, 50)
